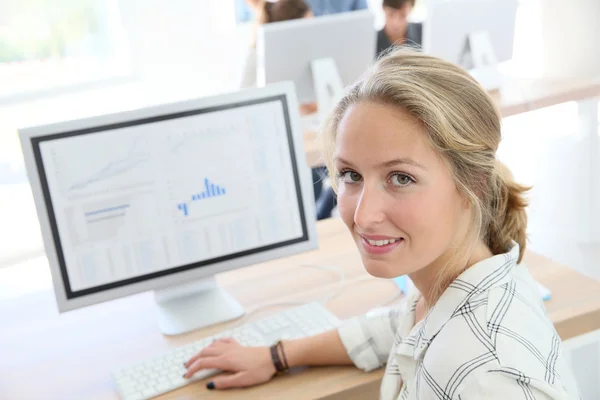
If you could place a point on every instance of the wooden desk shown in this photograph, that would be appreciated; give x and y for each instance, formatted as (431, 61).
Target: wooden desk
(70, 356)
(516, 96)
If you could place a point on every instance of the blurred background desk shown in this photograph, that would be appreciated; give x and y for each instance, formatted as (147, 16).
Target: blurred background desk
(517, 96)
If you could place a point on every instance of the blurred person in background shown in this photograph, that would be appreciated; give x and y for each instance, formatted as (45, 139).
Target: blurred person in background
(397, 30)
(325, 7)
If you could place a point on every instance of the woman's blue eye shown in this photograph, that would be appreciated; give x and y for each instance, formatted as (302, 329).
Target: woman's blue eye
(401, 180)
(349, 177)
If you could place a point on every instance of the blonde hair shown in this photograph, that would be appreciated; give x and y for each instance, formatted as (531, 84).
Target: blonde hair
(463, 126)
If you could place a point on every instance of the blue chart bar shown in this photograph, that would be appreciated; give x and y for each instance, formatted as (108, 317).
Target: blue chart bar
(210, 190)
(183, 207)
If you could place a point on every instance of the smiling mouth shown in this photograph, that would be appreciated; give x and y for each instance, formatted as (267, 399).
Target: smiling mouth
(381, 243)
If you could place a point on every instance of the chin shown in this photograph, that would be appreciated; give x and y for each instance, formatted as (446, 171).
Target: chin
(382, 269)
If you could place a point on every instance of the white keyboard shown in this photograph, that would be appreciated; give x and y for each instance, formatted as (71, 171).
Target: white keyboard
(162, 374)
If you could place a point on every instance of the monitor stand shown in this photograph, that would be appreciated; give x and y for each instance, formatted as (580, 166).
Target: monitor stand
(478, 57)
(328, 85)
(184, 308)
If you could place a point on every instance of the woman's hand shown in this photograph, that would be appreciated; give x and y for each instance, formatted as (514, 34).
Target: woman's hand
(249, 365)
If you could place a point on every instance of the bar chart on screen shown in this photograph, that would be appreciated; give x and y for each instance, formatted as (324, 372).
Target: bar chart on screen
(210, 191)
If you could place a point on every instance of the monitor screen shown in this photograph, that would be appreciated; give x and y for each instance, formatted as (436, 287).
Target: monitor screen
(141, 199)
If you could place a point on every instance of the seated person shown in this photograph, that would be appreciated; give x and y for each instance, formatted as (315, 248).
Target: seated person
(397, 29)
(413, 149)
(325, 7)
(267, 12)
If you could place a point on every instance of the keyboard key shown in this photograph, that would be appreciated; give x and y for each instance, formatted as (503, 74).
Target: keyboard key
(162, 379)
(134, 396)
(127, 390)
(124, 379)
(139, 376)
(177, 380)
(163, 387)
(149, 392)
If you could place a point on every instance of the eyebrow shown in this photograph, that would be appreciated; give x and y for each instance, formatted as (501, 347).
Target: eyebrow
(387, 164)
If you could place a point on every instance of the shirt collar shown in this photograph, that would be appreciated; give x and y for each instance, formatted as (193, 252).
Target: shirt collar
(479, 278)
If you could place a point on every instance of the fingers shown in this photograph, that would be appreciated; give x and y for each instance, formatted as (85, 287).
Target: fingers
(214, 349)
(191, 360)
(206, 363)
(227, 340)
(238, 380)
(211, 351)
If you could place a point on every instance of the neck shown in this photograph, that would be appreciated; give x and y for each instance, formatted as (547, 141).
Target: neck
(397, 37)
(427, 280)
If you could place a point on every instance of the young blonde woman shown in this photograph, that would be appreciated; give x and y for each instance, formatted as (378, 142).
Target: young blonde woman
(413, 146)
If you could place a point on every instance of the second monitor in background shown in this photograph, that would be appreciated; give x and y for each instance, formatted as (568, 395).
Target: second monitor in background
(290, 50)
(475, 34)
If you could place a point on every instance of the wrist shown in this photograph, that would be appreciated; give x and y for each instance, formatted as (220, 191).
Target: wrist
(294, 353)
(268, 362)
(279, 358)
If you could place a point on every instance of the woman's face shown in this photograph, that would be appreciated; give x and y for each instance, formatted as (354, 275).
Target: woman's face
(396, 194)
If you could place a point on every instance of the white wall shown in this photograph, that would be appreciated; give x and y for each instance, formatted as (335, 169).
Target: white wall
(183, 43)
(571, 32)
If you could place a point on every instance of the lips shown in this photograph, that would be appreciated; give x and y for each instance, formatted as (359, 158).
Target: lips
(380, 244)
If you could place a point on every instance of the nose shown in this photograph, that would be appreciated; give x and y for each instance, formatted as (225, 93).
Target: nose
(370, 211)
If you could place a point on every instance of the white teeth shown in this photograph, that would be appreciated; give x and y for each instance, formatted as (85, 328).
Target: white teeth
(381, 242)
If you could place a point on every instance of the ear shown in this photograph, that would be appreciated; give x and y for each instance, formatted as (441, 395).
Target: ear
(465, 203)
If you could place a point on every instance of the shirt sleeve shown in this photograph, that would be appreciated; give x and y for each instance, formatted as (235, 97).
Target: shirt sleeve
(369, 339)
(501, 385)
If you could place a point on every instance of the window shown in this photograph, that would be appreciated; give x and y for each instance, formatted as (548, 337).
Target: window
(47, 44)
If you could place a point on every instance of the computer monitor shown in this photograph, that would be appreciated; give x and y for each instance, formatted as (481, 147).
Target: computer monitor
(165, 197)
(451, 25)
(285, 50)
